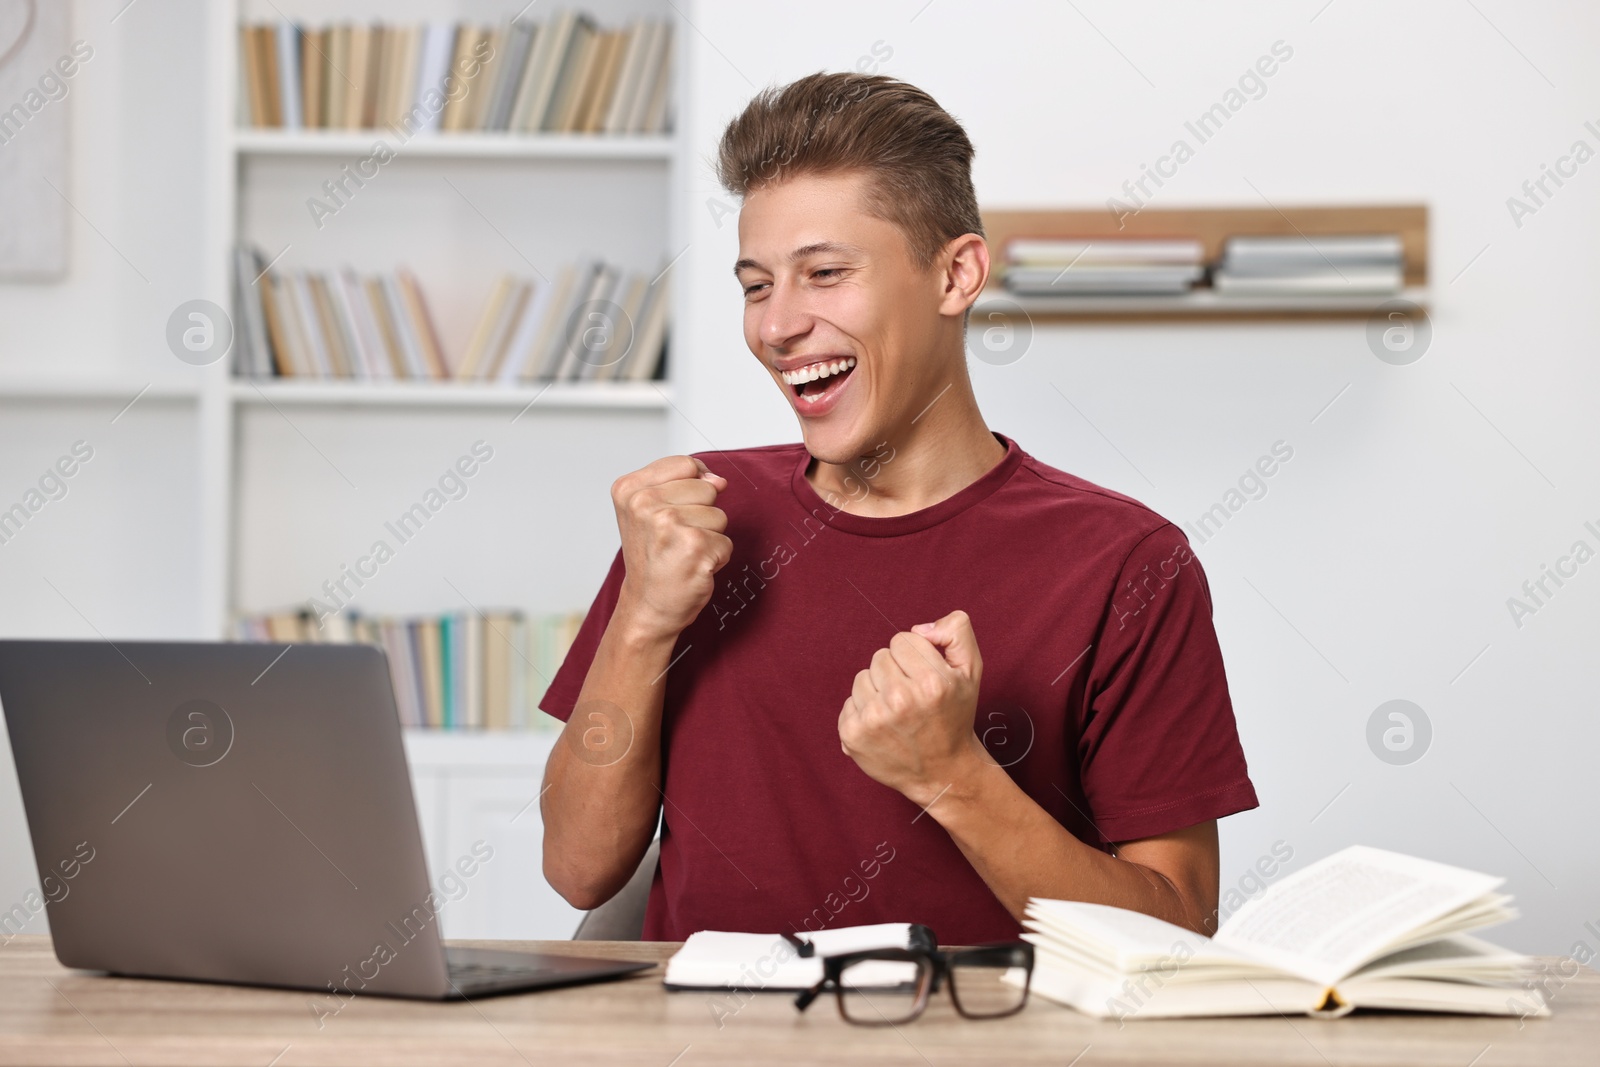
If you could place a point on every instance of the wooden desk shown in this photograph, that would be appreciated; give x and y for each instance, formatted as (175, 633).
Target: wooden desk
(49, 1015)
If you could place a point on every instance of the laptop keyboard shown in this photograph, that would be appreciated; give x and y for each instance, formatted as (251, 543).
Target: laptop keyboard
(484, 973)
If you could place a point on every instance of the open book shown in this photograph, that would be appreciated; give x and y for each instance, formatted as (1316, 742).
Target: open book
(712, 959)
(1361, 928)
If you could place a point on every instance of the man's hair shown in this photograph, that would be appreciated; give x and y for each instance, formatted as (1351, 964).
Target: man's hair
(917, 157)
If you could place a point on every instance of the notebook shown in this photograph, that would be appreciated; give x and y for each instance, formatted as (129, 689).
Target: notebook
(714, 959)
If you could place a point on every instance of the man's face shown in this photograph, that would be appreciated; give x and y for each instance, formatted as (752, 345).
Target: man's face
(847, 326)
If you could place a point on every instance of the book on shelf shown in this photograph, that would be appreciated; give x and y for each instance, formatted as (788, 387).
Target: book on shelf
(1110, 279)
(593, 322)
(564, 75)
(1101, 267)
(1328, 281)
(1355, 264)
(463, 671)
(1266, 255)
(1104, 251)
(1363, 928)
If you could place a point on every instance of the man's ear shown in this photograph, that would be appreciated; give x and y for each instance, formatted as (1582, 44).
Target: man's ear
(966, 271)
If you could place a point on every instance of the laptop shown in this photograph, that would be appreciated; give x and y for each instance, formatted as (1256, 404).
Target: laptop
(238, 813)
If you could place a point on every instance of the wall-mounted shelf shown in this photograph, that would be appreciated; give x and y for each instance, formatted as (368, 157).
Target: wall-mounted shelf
(1211, 227)
(624, 396)
(452, 145)
(1201, 303)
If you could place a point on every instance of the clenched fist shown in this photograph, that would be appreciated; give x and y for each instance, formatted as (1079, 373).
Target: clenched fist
(672, 542)
(909, 720)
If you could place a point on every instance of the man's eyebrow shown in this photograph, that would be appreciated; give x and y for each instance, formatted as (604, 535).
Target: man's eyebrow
(813, 249)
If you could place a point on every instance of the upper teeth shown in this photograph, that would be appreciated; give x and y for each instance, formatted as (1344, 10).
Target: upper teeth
(816, 370)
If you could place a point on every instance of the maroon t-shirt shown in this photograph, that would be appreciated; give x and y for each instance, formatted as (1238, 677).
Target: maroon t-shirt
(1103, 693)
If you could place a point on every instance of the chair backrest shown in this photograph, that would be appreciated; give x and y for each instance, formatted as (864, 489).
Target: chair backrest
(622, 917)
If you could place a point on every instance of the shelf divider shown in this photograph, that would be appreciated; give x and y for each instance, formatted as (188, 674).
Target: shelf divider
(624, 396)
(289, 143)
(1201, 304)
(94, 390)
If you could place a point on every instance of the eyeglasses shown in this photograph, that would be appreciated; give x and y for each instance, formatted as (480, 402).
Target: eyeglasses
(885, 987)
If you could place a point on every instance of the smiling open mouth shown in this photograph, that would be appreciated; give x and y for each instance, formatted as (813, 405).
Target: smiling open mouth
(810, 384)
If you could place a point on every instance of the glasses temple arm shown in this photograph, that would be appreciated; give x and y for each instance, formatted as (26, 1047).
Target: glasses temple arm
(804, 998)
(803, 948)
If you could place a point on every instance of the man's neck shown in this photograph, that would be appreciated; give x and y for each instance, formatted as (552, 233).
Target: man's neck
(936, 455)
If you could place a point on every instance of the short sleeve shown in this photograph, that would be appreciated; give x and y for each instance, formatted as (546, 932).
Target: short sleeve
(1159, 749)
(560, 698)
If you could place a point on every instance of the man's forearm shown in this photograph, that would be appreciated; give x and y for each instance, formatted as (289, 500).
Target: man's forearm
(1021, 851)
(602, 797)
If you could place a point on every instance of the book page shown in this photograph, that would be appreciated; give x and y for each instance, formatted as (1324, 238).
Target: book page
(714, 959)
(717, 959)
(858, 938)
(1119, 934)
(1461, 958)
(1126, 941)
(1325, 921)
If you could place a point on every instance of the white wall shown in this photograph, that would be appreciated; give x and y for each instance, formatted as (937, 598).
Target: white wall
(120, 546)
(134, 184)
(1391, 540)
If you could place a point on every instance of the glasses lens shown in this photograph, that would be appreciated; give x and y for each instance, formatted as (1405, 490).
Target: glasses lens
(880, 992)
(985, 987)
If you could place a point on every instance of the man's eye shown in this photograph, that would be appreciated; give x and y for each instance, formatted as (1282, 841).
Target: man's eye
(827, 272)
(751, 290)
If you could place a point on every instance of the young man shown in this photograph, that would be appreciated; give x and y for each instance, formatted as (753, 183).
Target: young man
(902, 671)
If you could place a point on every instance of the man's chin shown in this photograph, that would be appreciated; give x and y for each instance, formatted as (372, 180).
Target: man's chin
(837, 444)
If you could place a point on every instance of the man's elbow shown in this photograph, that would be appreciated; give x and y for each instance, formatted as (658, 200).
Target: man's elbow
(582, 889)
(1187, 903)
(584, 898)
(1189, 906)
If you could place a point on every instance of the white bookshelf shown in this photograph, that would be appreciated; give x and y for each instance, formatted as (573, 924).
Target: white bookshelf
(463, 206)
(281, 459)
(451, 749)
(475, 787)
